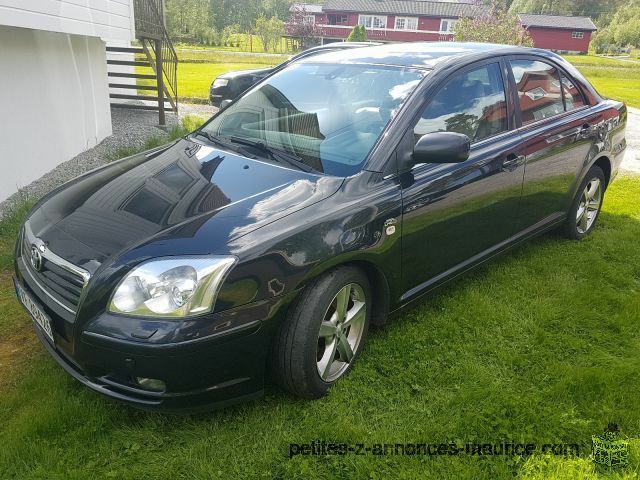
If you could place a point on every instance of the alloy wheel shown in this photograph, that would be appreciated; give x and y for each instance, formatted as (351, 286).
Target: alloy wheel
(341, 332)
(589, 205)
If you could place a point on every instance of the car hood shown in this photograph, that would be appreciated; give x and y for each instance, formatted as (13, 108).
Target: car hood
(240, 73)
(189, 198)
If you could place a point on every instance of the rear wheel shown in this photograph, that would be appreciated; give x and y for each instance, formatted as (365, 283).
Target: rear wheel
(586, 205)
(324, 333)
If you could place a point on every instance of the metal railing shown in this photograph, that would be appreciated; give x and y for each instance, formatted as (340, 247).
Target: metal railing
(150, 28)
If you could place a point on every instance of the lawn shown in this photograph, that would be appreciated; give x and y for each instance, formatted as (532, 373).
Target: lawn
(199, 66)
(541, 345)
(618, 79)
(194, 79)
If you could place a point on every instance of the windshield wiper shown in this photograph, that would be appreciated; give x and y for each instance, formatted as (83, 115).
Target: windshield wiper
(212, 138)
(275, 153)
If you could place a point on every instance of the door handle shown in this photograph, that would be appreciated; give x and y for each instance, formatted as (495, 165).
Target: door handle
(512, 162)
(586, 131)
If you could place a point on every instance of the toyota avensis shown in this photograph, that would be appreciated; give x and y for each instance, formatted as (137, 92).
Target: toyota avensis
(333, 193)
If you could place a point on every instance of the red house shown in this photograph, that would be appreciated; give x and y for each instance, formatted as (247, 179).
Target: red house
(419, 20)
(389, 20)
(559, 33)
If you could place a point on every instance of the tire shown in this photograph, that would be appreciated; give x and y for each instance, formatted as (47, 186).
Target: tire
(301, 349)
(591, 192)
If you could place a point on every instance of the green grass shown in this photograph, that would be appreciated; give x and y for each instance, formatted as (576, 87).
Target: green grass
(194, 79)
(215, 56)
(612, 78)
(540, 345)
(245, 45)
(617, 79)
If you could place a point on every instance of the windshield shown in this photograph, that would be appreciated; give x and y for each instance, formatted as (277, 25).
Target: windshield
(327, 116)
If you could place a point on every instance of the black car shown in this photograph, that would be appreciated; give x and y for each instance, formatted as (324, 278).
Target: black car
(331, 195)
(231, 84)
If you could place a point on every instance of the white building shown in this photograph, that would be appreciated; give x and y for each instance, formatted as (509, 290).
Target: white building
(54, 95)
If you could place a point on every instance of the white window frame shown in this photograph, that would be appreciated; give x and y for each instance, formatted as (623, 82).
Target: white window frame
(451, 25)
(309, 19)
(577, 35)
(407, 21)
(362, 20)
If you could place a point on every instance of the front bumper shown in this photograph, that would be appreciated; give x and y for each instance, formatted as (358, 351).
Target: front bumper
(200, 373)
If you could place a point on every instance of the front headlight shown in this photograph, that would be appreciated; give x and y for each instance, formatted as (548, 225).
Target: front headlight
(220, 82)
(171, 286)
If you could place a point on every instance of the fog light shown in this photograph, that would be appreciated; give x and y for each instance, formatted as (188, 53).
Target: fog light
(151, 384)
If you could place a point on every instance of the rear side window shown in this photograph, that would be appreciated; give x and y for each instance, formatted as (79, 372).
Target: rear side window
(472, 103)
(572, 97)
(538, 86)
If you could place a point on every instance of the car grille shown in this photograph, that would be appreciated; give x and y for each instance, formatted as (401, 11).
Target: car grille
(55, 276)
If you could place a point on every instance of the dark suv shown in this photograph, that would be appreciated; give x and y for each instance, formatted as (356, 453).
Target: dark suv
(228, 86)
(335, 192)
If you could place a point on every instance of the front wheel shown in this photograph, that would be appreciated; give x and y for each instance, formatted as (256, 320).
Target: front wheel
(323, 334)
(587, 204)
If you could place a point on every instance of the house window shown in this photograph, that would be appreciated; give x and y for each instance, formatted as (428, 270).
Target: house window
(577, 34)
(448, 25)
(406, 23)
(338, 19)
(309, 19)
(373, 21)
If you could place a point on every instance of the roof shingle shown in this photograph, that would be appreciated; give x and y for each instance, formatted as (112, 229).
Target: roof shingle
(556, 21)
(406, 7)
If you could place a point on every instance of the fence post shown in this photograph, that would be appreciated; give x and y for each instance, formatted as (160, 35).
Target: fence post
(160, 82)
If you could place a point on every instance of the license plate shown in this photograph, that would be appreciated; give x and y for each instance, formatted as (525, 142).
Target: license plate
(38, 316)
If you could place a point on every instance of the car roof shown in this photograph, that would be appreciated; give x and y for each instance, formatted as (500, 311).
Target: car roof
(414, 54)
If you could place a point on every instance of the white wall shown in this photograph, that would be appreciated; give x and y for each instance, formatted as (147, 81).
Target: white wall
(54, 102)
(107, 19)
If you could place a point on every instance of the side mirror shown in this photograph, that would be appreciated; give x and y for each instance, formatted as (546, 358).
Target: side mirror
(225, 103)
(441, 147)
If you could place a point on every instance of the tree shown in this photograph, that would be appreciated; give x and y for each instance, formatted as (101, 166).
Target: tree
(587, 8)
(186, 17)
(494, 26)
(299, 26)
(269, 31)
(358, 34)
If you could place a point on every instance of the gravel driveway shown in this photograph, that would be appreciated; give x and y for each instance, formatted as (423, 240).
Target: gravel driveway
(631, 162)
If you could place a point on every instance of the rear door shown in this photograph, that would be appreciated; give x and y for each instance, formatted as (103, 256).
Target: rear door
(456, 213)
(558, 132)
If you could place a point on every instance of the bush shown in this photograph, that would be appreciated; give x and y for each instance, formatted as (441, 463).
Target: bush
(358, 34)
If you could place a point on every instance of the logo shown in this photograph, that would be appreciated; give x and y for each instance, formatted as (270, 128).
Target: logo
(609, 450)
(36, 256)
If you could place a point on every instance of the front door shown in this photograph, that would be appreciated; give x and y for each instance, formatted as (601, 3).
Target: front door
(456, 213)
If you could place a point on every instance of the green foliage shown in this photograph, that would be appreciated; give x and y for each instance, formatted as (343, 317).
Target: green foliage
(622, 31)
(497, 26)
(588, 8)
(358, 34)
(538, 345)
(216, 22)
(270, 31)
(187, 18)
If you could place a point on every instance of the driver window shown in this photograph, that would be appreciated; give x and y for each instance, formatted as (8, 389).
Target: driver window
(472, 103)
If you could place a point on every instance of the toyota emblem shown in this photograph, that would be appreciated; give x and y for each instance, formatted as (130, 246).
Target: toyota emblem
(36, 258)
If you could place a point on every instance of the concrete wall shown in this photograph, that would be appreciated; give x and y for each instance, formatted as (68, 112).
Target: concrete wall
(107, 19)
(54, 102)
